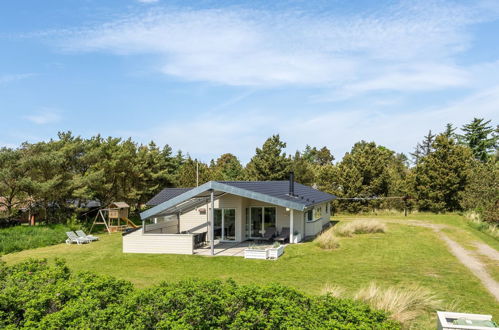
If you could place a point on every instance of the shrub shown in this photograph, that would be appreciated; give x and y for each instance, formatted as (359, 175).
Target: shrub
(360, 227)
(489, 228)
(403, 305)
(30, 237)
(36, 295)
(327, 240)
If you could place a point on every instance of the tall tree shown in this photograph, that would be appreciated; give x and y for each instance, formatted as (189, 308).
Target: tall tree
(481, 138)
(270, 162)
(227, 168)
(303, 169)
(186, 176)
(365, 172)
(321, 156)
(423, 148)
(441, 175)
(482, 191)
(14, 179)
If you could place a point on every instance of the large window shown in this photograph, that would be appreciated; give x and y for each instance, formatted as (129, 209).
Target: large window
(258, 220)
(225, 224)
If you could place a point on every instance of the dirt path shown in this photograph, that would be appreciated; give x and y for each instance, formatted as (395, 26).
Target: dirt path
(466, 257)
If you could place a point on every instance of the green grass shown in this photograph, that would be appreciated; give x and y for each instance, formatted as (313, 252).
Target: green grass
(403, 256)
(29, 237)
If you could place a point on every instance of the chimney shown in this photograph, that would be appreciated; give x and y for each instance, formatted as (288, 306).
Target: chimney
(291, 183)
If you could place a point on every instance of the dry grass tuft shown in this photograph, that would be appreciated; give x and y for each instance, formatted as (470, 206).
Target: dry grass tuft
(404, 305)
(360, 227)
(327, 240)
(333, 290)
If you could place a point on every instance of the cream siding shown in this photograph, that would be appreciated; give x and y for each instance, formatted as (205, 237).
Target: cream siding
(137, 242)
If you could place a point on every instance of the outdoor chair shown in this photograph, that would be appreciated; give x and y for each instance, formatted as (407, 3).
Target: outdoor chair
(283, 237)
(269, 235)
(199, 239)
(82, 234)
(72, 238)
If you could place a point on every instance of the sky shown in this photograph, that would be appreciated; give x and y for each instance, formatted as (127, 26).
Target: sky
(210, 77)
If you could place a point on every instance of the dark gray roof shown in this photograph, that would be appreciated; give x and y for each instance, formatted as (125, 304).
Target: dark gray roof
(166, 194)
(303, 194)
(280, 189)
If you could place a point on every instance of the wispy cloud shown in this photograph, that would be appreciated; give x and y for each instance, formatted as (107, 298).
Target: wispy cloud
(7, 78)
(44, 116)
(407, 46)
(241, 132)
(148, 1)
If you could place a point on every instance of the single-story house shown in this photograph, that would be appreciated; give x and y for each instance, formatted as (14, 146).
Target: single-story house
(228, 211)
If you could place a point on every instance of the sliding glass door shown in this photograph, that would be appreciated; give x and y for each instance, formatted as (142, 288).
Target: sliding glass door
(225, 224)
(258, 219)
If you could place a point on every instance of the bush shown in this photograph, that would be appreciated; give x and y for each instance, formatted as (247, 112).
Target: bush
(29, 237)
(489, 228)
(35, 294)
(327, 240)
(360, 227)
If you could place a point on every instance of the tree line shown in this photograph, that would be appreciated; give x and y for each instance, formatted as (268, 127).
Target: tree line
(452, 170)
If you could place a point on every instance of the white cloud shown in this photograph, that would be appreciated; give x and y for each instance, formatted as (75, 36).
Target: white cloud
(44, 116)
(148, 1)
(409, 46)
(212, 134)
(7, 78)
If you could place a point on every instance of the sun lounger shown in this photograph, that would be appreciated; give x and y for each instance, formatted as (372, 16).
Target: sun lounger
(269, 235)
(72, 238)
(283, 237)
(82, 234)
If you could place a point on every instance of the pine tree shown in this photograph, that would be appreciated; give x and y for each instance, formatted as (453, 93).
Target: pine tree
(270, 162)
(441, 175)
(424, 148)
(227, 168)
(482, 191)
(480, 138)
(303, 169)
(186, 176)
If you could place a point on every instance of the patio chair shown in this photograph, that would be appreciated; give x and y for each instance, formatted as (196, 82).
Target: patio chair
(269, 235)
(283, 237)
(72, 238)
(82, 234)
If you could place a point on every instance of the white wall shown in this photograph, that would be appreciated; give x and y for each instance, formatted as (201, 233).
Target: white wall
(137, 242)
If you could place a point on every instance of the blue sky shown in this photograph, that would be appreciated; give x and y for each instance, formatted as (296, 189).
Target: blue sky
(210, 77)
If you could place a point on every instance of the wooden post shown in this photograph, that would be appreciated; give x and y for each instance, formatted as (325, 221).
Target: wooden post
(291, 224)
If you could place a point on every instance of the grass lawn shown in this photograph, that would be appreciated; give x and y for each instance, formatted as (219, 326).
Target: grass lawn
(403, 256)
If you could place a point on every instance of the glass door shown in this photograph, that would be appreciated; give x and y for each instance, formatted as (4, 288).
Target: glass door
(229, 227)
(256, 224)
(225, 224)
(258, 219)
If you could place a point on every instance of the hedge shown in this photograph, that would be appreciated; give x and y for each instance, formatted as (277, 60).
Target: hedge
(38, 294)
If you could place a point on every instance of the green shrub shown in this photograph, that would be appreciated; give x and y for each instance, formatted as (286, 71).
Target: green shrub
(20, 238)
(35, 294)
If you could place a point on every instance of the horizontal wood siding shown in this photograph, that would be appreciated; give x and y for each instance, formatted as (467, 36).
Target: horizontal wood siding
(193, 221)
(138, 242)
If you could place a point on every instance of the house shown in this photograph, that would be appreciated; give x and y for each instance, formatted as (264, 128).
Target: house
(228, 211)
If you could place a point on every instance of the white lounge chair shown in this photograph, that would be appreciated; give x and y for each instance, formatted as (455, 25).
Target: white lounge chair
(72, 238)
(82, 234)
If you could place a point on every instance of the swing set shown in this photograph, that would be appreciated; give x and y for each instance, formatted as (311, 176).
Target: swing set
(114, 217)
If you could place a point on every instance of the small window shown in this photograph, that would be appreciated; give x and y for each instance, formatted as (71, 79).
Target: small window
(309, 215)
(317, 212)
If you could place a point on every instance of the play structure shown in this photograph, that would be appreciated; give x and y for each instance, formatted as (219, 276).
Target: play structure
(114, 217)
